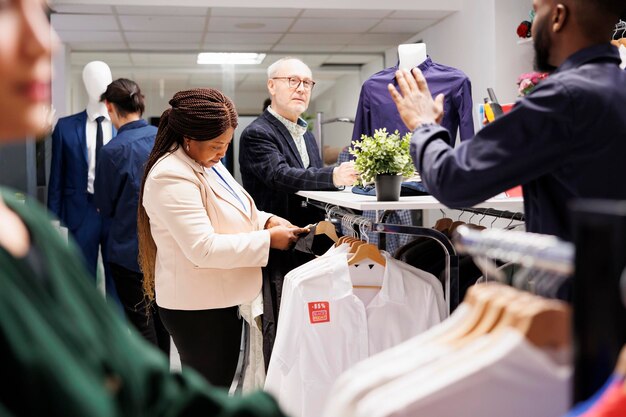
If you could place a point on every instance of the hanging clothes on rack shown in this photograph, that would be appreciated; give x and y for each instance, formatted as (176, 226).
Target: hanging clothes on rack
(503, 352)
(335, 314)
(470, 365)
(308, 246)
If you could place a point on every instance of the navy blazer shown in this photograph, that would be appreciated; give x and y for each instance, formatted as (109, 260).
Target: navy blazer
(67, 190)
(564, 141)
(116, 188)
(272, 170)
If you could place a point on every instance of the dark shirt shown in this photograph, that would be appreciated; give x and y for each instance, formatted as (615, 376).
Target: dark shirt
(377, 110)
(565, 140)
(118, 182)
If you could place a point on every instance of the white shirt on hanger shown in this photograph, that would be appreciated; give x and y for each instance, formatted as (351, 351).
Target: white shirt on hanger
(325, 328)
(374, 372)
(518, 379)
(91, 128)
(432, 280)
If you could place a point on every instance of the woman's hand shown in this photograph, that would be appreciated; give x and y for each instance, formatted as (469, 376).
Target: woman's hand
(276, 221)
(282, 237)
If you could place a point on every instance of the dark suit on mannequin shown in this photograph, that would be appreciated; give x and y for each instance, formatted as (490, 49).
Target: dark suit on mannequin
(68, 198)
(272, 170)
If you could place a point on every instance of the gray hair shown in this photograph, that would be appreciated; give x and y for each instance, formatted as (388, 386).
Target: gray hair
(273, 69)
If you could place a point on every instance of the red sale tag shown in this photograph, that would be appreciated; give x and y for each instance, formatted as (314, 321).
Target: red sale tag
(319, 312)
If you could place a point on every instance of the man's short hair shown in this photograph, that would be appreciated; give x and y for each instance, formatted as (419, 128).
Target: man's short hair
(598, 17)
(272, 70)
(610, 7)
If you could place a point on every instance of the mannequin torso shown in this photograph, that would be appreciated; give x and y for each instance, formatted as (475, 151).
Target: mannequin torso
(72, 168)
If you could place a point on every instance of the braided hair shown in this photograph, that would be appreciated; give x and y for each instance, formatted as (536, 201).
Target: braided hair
(199, 114)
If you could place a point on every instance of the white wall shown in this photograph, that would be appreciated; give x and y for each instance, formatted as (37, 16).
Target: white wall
(481, 41)
(465, 40)
(61, 68)
(512, 58)
(338, 101)
(341, 101)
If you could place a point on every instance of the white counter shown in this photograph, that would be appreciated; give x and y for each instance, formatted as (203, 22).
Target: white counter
(348, 199)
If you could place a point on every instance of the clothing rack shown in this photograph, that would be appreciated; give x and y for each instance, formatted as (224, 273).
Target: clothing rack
(598, 264)
(451, 284)
(531, 250)
(505, 214)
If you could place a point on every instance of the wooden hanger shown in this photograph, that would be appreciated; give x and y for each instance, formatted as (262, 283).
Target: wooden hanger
(475, 226)
(342, 239)
(367, 251)
(454, 226)
(495, 311)
(355, 245)
(326, 228)
(478, 296)
(546, 324)
(371, 252)
(443, 224)
(515, 309)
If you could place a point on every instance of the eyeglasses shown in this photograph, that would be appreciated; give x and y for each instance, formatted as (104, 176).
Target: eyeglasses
(294, 82)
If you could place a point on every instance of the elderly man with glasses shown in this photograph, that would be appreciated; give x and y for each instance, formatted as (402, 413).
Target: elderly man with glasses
(278, 156)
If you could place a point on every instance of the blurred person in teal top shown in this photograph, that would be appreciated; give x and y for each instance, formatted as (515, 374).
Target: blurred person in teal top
(64, 352)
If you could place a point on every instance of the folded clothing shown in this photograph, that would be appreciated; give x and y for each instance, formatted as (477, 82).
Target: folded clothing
(409, 188)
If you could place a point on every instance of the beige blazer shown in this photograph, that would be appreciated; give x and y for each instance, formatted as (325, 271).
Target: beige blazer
(209, 250)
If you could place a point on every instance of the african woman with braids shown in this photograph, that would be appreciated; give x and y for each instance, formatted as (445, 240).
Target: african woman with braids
(202, 241)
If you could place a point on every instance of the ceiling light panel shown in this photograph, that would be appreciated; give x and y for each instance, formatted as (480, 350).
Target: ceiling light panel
(237, 58)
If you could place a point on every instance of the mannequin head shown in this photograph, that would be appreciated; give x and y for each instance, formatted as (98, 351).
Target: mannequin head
(96, 77)
(411, 55)
(26, 45)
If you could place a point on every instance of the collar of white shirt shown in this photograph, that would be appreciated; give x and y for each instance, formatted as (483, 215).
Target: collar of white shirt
(392, 288)
(92, 116)
(296, 129)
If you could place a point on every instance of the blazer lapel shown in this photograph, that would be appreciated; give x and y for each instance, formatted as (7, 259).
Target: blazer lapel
(218, 189)
(286, 136)
(224, 194)
(81, 133)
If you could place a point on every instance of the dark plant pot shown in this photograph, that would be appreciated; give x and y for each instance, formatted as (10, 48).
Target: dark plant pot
(388, 187)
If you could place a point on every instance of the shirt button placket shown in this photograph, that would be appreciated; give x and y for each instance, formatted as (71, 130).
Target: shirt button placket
(363, 331)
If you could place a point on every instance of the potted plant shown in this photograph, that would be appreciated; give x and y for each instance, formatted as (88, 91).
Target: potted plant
(384, 159)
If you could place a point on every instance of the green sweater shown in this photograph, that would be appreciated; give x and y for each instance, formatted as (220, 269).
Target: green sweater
(63, 352)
